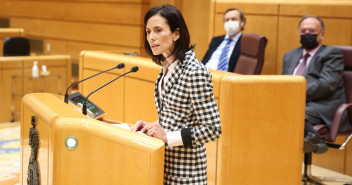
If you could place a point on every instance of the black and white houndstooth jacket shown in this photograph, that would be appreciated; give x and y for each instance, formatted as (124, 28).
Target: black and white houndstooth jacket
(187, 103)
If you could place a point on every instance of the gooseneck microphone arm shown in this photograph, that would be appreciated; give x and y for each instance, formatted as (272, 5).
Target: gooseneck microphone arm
(84, 109)
(119, 66)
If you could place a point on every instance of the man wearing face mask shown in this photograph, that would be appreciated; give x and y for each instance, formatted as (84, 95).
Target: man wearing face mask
(224, 50)
(322, 66)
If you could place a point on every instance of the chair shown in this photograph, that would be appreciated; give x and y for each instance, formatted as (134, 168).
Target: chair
(330, 135)
(16, 46)
(251, 59)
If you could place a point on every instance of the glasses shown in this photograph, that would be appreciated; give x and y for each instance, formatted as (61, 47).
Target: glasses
(309, 31)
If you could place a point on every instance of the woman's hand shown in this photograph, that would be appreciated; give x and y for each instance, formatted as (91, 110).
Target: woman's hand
(154, 129)
(138, 126)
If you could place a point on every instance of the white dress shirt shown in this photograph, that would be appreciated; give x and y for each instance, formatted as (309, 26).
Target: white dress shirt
(173, 138)
(214, 59)
(311, 54)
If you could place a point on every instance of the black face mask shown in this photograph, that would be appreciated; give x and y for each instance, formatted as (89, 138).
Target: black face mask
(309, 41)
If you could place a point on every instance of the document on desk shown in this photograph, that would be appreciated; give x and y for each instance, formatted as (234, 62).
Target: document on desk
(122, 125)
(126, 126)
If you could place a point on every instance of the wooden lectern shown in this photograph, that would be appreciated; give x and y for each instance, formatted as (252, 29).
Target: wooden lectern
(67, 147)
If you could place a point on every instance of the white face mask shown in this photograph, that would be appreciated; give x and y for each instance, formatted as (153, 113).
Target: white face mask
(232, 27)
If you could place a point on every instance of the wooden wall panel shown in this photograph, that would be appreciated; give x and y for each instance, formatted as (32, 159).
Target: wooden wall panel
(197, 17)
(98, 12)
(139, 97)
(68, 27)
(320, 8)
(335, 158)
(287, 38)
(73, 48)
(108, 98)
(6, 91)
(121, 35)
(348, 163)
(260, 7)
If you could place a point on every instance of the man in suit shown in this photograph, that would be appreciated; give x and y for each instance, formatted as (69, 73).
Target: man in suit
(224, 50)
(322, 66)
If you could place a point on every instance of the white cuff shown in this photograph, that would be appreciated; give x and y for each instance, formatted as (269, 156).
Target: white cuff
(174, 138)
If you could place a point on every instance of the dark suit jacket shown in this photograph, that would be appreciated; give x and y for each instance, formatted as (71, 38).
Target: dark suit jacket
(325, 90)
(215, 42)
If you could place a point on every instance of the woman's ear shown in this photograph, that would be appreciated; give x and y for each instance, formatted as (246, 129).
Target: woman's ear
(176, 34)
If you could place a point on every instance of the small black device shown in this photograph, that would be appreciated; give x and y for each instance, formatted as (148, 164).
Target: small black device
(78, 98)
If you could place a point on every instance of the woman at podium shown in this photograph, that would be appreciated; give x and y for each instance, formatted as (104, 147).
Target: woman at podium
(188, 114)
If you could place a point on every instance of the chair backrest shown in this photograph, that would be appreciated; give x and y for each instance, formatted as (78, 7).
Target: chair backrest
(347, 75)
(251, 59)
(16, 46)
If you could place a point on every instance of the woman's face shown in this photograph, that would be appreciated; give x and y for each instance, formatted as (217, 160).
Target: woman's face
(160, 38)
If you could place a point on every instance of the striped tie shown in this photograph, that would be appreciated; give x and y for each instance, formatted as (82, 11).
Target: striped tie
(223, 61)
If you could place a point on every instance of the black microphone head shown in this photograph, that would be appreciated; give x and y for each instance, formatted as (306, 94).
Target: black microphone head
(120, 66)
(134, 69)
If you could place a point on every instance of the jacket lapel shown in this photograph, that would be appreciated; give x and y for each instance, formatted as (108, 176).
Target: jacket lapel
(156, 92)
(173, 78)
(296, 57)
(312, 61)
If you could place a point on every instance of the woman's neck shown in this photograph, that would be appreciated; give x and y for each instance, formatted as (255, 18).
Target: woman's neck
(170, 59)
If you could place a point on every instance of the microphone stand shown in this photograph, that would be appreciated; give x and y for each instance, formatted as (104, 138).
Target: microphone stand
(84, 109)
(120, 66)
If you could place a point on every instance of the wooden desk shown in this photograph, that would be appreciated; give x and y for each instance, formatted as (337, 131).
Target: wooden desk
(105, 154)
(22, 66)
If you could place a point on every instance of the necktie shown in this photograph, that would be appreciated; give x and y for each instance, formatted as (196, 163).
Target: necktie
(302, 66)
(223, 61)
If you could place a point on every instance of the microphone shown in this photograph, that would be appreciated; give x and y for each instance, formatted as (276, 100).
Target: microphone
(119, 66)
(84, 109)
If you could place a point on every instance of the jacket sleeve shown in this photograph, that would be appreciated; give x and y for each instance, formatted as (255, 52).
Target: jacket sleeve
(205, 109)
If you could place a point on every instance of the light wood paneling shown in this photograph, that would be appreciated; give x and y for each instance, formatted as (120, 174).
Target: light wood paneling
(21, 67)
(98, 12)
(335, 158)
(254, 144)
(348, 163)
(105, 154)
(288, 38)
(9, 32)
(108, 98)
(197, 17)
(72, 26)
(74, 48)
(341, 9)
(248, 7)
(95, 33)
(139, 98)
(338, 31)
(8, 70)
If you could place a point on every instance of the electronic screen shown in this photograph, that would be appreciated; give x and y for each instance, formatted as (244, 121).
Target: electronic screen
(78, 98)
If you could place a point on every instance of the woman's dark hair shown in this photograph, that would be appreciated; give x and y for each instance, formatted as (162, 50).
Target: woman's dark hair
(175, 20)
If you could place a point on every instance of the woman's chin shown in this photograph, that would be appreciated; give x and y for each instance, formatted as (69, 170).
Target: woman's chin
(156, 53)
